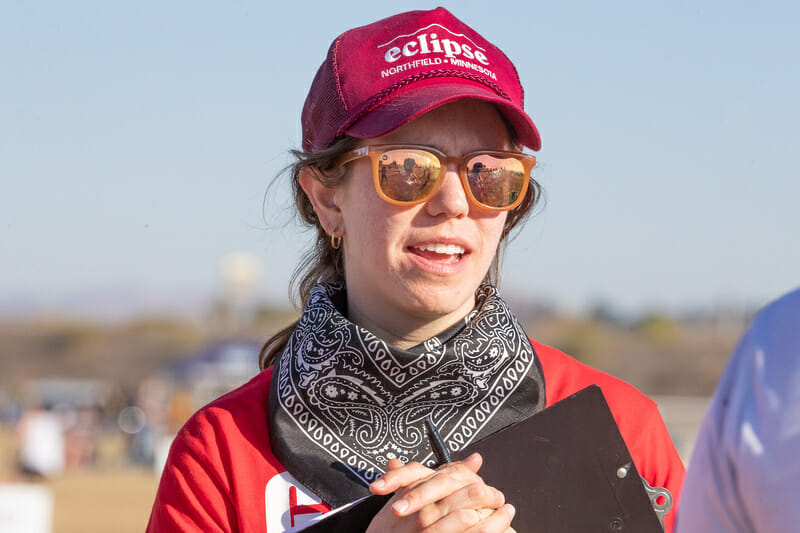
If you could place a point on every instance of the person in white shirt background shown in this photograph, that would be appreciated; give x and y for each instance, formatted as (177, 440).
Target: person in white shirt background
(744, 474)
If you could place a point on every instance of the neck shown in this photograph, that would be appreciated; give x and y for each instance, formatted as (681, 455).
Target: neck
(406, 330)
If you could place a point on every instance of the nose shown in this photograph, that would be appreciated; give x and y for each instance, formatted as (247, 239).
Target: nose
(450, 199)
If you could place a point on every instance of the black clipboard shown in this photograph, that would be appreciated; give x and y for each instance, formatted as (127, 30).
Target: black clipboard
(566, 469)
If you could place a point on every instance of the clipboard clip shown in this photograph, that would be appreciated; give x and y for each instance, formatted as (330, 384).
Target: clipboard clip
(657, 494)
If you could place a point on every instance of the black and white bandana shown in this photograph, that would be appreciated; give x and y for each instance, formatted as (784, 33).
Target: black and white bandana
(343, 402)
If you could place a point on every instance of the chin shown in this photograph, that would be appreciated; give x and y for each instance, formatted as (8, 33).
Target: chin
(437, 300)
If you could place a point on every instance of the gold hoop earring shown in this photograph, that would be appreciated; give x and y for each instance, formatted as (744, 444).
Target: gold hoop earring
(336, 242)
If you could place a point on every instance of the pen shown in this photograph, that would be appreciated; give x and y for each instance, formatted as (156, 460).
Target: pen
(437, 444)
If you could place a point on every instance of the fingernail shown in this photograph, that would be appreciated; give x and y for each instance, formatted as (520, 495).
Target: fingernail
(378, 483)
(512, 509)
(400, 506)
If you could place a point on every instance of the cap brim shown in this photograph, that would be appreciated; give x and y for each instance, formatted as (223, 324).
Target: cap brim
(408, 103)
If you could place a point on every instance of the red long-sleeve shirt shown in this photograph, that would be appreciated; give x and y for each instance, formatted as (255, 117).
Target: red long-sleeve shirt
(222, 476)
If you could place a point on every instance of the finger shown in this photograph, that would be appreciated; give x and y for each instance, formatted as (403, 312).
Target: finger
(414, 471)
(478, 498)
(466, 520)
(473, 496)
(499, 521)
(473, 462)
(458, 520)
(447, 481)
(393, 464)
(399, 477)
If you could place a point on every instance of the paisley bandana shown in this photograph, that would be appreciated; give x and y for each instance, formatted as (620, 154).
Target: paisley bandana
(343, 402)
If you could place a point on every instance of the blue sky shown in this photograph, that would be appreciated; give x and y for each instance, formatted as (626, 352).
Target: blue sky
(137, 141)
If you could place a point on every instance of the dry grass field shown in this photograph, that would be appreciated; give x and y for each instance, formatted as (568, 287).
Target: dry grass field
(113, 500)
(103, 501)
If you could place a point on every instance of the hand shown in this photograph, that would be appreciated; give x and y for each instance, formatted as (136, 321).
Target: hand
(450, 499)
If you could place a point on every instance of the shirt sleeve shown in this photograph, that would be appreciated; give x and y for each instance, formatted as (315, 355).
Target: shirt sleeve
(193, 495)
(654, 453)
(637, 417)
(745, 468)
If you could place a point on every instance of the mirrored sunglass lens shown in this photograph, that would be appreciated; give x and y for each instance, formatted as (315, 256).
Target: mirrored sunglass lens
(494, 180)
(407, 175)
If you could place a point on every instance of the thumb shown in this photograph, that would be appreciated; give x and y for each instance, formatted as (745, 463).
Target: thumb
(473, 462)
(393, 464)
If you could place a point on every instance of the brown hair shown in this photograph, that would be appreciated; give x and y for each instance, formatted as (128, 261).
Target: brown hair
(321, 262)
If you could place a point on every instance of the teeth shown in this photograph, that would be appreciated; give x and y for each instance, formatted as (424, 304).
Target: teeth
(439, 248)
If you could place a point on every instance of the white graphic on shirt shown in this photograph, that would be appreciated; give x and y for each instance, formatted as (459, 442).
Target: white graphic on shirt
(288, 504)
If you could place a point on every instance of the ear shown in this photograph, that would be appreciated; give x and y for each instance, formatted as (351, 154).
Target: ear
(323, 199)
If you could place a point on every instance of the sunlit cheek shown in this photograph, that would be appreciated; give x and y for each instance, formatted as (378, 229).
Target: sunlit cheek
(492, 231)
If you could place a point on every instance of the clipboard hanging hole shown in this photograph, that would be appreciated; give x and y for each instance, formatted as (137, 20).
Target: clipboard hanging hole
(660, 499)
(616, 524)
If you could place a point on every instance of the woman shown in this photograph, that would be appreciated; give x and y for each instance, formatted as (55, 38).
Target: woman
(401, 321)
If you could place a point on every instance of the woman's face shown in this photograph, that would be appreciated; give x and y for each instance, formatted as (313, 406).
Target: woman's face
(398, 285)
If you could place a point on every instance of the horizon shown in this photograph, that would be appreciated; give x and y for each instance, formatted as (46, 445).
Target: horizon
(117, 306)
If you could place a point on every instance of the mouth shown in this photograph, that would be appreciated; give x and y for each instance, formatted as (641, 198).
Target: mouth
(439, 252)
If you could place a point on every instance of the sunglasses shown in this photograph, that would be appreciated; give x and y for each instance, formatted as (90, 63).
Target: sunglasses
(409, 174)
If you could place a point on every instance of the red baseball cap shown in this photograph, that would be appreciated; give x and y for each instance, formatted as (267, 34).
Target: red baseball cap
(378, 77)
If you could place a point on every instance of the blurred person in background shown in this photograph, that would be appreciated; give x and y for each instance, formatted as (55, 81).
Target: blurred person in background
(42, 450)
(744, 475)
(81, 428)
(401, 317)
